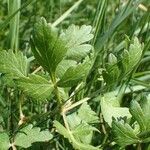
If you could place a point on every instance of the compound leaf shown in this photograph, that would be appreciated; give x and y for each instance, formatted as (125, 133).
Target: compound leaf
(29, 134)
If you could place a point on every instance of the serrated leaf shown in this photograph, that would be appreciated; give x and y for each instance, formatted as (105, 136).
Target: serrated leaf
(84, 132)
(63, 66)
(75, 74)
(29, 134)
(79, 123)
(47, 48)
(132, 57)
(68, 134)
(111, 109)
(123, 134)
(138, 114)
(4, 141)
(84, 110)
(14, 65)
(76, 38)
(36, 86)
(112, 72)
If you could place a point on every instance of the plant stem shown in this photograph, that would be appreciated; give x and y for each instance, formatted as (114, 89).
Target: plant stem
(139, 147)
(76, 104)
(14, 24)
(53, 78)
(22, 117)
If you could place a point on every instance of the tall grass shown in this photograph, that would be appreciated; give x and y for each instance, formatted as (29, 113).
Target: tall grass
(14, 5)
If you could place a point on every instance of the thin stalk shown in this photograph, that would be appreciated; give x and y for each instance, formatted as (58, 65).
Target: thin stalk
(13, 6)
(67, 13)
(22, 117)
(67, 108)
(139, 147)
(53, 78)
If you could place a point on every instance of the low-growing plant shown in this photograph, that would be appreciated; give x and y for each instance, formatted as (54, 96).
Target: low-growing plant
(77, 91)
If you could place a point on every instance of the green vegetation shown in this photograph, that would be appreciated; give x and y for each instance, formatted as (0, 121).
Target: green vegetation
(74, 75)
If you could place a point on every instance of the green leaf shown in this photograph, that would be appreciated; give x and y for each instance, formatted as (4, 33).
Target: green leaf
(61, 129)
(145, 136)
(69, 135)
(84, 133)
(132, 57)
(145, 104)
(29, 134)
(112, 72)
(123, 134)
(110, 108)
(63, 66)
(47, 47)
(36, 86)
(79, 123)
(76, 38)
(15, 65)
(4, 141)
(80, 133)
(75, 74)
(138, 114)
(84, 110)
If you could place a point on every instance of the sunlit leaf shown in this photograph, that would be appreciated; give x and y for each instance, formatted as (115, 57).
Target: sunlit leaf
(29, 134)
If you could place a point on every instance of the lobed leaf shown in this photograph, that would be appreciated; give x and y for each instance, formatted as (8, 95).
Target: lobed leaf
(123, 134)
(84, 133)
(76, 38)
(112, 72)
(84, 110)
(75, 74)
(69, 135)
(47, 47)
(13, 64)
(111, 109)
(132, 57)
(80, 123)
(64, 66)
(36, 86)
(29, 134)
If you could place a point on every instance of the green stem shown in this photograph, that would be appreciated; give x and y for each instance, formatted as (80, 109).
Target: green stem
(139, 147)
(53, 78)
